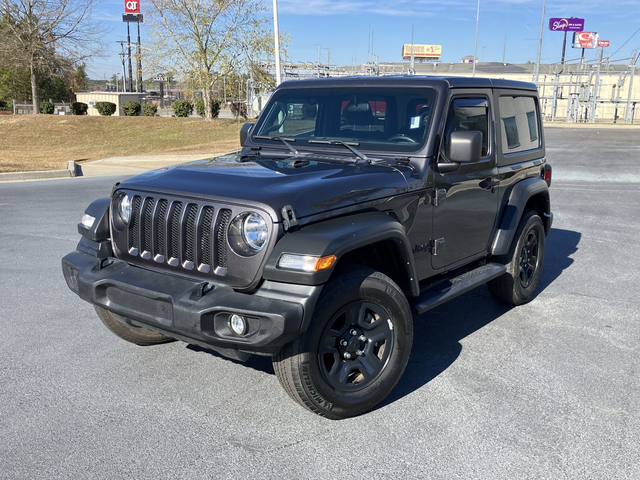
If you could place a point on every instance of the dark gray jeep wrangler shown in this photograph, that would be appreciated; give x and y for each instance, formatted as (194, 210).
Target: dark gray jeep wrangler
(353, 205)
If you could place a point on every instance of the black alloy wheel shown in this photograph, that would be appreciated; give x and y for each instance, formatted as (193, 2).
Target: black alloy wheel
(356, 345)
(355, 349)
(529, 258)
(523, 261)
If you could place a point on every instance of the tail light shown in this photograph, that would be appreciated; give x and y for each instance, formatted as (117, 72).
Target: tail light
(546, 174)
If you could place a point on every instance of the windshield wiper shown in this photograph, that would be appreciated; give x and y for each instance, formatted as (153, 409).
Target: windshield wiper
(280, 139)
(358, 153)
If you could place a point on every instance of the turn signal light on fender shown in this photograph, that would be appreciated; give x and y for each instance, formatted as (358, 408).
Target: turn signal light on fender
(306, 263)
(324, 262)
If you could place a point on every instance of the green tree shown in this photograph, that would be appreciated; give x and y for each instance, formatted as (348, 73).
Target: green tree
(47, 37)
(79, 79)
(205, 40)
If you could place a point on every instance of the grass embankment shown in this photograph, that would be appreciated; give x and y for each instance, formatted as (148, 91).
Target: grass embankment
(48, 142)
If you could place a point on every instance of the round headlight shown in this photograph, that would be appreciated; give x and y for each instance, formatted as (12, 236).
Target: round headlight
(248, 234)
(124, 208)
(254, 231)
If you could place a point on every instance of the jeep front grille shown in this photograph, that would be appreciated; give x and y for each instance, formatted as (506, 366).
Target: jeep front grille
(179, 234)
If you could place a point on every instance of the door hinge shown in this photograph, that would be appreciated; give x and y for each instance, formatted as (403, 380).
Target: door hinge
(289, 219)
(439, 196)
(436, 246)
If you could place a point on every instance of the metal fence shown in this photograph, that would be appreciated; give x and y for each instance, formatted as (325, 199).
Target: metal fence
(25, 108)
(589, 93)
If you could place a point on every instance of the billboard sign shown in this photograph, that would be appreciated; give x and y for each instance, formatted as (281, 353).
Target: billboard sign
(604, 43)
(566, 24)
(132, 17)
(421, 51)
(585, 40)
(132, 6)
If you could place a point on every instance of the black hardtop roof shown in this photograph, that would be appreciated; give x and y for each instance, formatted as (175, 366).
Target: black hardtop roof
(409, 81)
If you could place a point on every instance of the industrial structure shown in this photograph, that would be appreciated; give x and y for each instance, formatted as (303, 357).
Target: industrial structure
(587, 91)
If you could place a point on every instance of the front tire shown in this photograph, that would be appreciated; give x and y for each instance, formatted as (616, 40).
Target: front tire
(355, 350)
(138, 335)
(524, 263)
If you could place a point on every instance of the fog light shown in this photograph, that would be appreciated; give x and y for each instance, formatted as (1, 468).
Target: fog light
(238, 324)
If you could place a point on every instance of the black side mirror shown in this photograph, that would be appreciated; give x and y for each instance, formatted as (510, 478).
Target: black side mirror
(244, 132)
(465, 146)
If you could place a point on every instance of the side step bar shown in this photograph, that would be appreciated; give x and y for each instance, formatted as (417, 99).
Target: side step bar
(457, 286)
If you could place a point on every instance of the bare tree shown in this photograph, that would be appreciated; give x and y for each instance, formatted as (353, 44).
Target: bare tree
(205, 40)
(47, 36)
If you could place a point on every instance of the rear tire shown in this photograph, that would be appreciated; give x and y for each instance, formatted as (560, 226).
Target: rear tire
(524, 263)
(138, 335)
(355, 350)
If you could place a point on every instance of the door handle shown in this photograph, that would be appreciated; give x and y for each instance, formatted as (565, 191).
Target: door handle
(489, 183)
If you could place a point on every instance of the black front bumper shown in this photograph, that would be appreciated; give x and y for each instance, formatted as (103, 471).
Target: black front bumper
(195, 312)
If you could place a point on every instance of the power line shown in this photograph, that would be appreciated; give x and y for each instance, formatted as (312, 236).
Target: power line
(634, 34)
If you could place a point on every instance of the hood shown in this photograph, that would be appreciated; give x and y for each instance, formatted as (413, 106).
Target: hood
(273, 181)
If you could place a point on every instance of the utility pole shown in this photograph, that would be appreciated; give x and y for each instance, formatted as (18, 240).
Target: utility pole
(537, 74)
(276, 34)
(632, 64)
(595, 88)
(475, 46)
(139, 64)
(129, 53)
(124, 74)
(412, 70)
(506, 30)
(369, 46)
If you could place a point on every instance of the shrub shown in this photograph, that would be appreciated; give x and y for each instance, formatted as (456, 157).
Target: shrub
(47, 108)
(131, 109)
(182, 108)
(149, 109)
(106, 108)
(215, 108)
(239, 109)
(3, 105)
(78, 108)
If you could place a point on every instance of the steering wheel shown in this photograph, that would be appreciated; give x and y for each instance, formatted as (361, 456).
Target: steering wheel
(402, 137)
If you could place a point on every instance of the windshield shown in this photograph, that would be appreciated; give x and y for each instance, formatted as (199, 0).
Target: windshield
(382, 119)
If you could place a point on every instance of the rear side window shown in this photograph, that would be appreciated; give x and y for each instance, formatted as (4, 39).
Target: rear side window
(519, 124)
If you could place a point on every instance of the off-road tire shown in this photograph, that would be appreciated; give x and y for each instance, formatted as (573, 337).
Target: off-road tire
(509, 288)
(362, 296)
(138, 335)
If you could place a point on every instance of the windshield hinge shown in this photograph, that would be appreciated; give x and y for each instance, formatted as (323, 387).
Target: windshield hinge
(289, 219)
(438, 196)
(436, 245)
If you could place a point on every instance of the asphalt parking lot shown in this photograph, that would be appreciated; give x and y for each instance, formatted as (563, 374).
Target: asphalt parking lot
(547, 390)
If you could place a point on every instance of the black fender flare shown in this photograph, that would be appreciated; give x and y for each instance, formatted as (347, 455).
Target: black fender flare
(518, 198)
(98, 209)
(337, 237)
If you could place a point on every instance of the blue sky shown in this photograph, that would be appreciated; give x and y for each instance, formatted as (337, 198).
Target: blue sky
(343, 26)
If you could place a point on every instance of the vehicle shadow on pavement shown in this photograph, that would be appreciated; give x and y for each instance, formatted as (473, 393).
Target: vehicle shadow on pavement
(437, 333)
(256, 362)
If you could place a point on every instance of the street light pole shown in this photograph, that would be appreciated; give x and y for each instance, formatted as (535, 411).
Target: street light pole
(276, 34)
(475, 47)
(537, 74)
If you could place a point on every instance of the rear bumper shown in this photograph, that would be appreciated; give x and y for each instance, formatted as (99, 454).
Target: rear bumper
(195, 312)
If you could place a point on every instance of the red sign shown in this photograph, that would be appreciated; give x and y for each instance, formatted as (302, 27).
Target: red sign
(585, 40)
(132, 6)
(604, 43)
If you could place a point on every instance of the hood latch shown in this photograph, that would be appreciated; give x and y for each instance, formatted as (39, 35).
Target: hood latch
(289, 220)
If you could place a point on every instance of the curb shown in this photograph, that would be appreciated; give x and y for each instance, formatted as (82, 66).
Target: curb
(71, 171)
